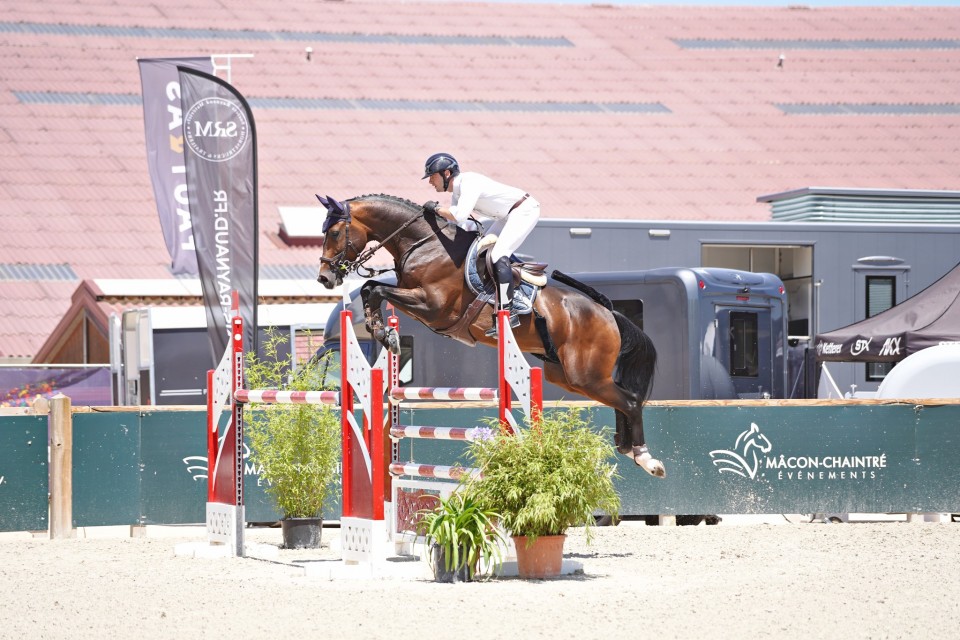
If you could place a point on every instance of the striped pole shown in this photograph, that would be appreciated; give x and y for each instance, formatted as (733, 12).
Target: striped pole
(276, 396)
(443, 393)
(468, 434)
(438, 471)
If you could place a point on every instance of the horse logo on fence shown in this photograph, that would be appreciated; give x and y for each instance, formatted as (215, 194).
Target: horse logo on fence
(743, 459)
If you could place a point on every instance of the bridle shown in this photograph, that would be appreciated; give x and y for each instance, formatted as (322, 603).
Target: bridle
(342, 265)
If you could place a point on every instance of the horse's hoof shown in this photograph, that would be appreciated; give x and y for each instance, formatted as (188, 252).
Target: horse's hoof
(393, 341)
(643, 459)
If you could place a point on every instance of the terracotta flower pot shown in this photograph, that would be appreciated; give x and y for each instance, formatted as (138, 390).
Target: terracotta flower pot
(541, 559)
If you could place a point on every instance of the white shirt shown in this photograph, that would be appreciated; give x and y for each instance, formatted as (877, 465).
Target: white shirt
(476, 194)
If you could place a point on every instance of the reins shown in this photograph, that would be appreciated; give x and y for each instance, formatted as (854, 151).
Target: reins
(340, 262)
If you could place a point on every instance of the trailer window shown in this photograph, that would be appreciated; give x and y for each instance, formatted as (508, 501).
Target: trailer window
(632, 309)
(744, 345)
(881, 295)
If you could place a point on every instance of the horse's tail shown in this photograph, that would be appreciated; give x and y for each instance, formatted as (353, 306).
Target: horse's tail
(585, 289)
(637, 361)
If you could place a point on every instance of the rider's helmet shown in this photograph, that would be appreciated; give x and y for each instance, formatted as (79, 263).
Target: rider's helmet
(441, 162)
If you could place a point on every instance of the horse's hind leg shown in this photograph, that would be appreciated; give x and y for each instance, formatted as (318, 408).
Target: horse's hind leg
(623, 438)
(629, 438)
(639, 451)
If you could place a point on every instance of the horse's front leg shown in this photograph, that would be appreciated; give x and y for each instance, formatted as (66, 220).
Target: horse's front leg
(373, 294)
(372, 298)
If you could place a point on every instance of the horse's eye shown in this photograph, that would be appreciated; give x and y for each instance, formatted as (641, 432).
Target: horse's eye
(333, 234)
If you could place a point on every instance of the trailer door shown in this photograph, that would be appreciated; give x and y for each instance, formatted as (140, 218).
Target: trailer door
(745, 345)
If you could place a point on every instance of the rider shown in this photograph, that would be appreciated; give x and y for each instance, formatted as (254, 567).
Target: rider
(514, 212)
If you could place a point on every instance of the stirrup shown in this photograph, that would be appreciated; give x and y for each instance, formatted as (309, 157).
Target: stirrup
(514, 323)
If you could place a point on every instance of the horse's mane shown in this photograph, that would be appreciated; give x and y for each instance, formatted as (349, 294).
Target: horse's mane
(383, 196)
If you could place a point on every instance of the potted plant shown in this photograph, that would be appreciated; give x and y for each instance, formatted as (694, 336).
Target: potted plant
(296, 447)
(463, 538)
(554, 475)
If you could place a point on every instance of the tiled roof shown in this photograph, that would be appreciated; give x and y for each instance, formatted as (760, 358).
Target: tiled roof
(601, 111)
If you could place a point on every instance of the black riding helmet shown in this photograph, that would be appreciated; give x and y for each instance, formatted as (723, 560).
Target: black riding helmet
(441, 162)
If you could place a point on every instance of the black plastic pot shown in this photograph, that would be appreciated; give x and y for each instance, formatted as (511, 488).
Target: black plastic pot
(301, 533)
(440, 573)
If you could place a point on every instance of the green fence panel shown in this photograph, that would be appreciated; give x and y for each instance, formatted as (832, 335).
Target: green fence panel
(151, 468)
(769, 459)
(796, 459)
(106, 469)
(937, 459)
(23, 473)
(175, 470)
(174, 461)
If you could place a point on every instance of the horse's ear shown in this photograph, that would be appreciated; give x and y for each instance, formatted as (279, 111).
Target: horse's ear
(334, 206)
(322, 200)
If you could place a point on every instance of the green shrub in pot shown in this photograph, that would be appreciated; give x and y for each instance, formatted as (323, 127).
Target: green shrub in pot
(556, 474)
(463, 536)
(295, 446)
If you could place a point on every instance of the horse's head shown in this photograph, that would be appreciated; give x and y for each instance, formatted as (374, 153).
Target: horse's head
(350, 225)
(343, 240)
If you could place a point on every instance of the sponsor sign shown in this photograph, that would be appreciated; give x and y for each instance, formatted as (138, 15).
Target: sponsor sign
(753, 456)
(163, 124)
(221, 170)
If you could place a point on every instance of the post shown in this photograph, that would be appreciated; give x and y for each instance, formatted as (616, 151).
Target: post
(504, 391)
(211, 438)
(60, 440)
(346, 407)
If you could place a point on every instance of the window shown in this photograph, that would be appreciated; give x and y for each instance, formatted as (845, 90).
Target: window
(881, 295)
(744, 345)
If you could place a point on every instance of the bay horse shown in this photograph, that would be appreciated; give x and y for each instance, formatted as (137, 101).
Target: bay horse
(586, 347)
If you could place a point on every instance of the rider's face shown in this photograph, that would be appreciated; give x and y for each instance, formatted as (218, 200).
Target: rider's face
(436, 181)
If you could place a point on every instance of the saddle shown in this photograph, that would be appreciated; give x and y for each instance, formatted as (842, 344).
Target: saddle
(528, 278)
(533, 273)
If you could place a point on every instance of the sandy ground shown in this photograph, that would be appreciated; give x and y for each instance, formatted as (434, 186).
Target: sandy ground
(780, 579)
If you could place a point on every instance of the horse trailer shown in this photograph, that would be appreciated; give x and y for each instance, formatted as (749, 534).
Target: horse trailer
(834, 273)
(719, 334)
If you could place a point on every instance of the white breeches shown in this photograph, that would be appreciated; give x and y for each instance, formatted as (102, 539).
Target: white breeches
(513, 229)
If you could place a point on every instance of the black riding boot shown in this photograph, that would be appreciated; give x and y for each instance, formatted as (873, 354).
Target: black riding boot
(503, 276)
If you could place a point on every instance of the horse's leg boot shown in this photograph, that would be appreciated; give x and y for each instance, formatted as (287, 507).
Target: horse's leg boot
(643, 459)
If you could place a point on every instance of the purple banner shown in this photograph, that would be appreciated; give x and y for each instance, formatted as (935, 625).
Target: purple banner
(163, 123)
(220, 154)
(86, 386)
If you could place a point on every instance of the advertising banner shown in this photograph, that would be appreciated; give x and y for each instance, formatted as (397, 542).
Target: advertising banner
(220, 155)
(163, 123)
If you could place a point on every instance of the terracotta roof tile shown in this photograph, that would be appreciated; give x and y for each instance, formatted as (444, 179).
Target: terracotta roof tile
(73, 176)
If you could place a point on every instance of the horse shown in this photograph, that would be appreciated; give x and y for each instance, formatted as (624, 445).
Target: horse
(586, 346)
